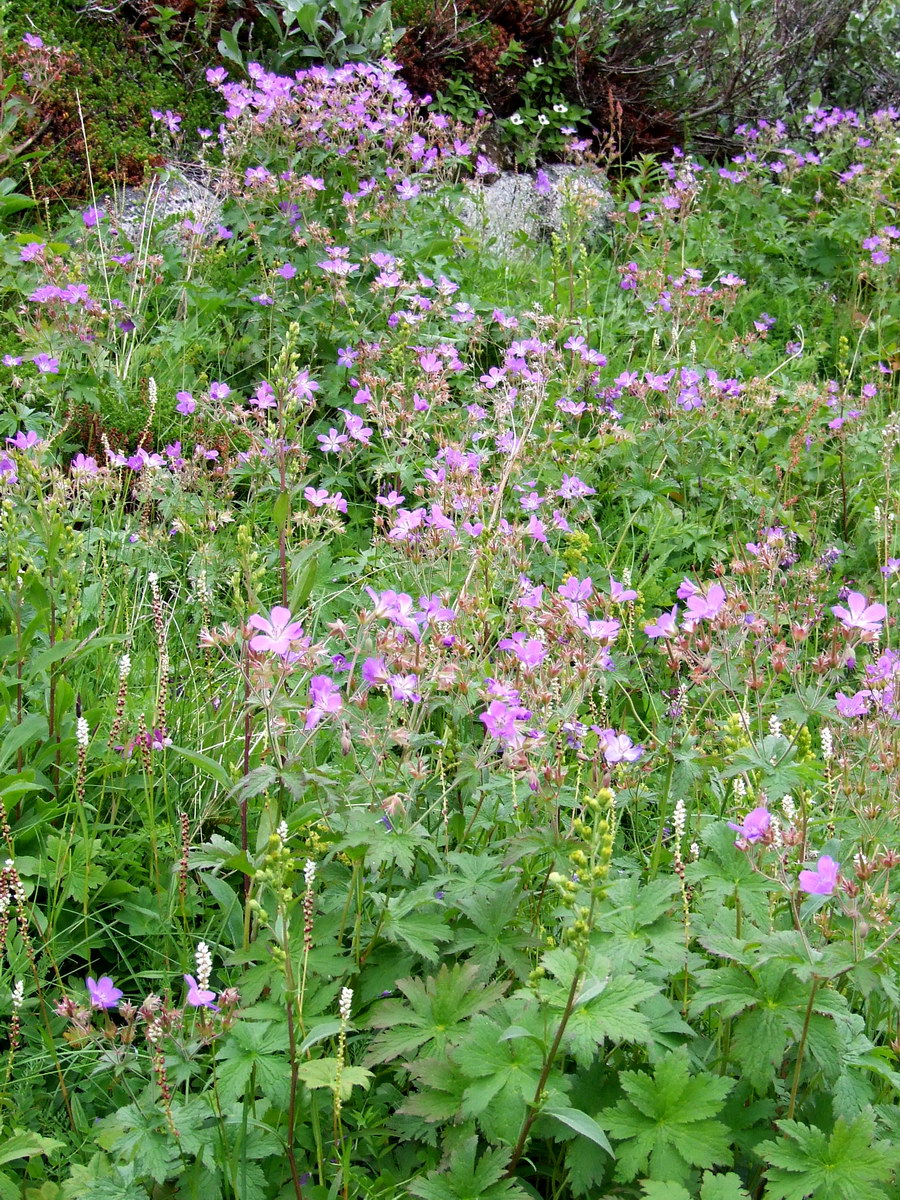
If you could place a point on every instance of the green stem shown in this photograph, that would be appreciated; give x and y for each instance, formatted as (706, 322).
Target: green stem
(800, 1050)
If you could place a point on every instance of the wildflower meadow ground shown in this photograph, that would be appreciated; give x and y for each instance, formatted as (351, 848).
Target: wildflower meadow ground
(448, 713)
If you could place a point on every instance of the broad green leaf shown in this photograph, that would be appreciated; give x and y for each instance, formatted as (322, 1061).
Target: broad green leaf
(207, 765)
(581, 1122)
(324, 1073)
(848, 1164)
(23, 1144)
(32, 728)
(318, 1034)
(723, 1187)
(656, 1190)
(468, 1179)
(255, 1053)
(667, 1122)
(434, 1014)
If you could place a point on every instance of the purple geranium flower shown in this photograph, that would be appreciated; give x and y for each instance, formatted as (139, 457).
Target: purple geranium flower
(276, 633)
(103, 992)
(620, 593)
(326, 699)
(823, 880)
(405, 687)
(755, 825)
(45, 364)
(665, 626)
(618, 747)
(860, 614)
(199, 997)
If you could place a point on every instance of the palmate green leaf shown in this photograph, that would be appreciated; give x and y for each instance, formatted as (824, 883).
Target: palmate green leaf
(655, 1189)
(419, 930)
(75, 867)
(667, 1121)
(440, 1093)
(585, 1167)
(727, 875)
(847, 1165)
(468, 1179)
(434, 1015)
(325, 1072)
(612, 1014)
(635, 925)
(143, 1139)
(722, 1187)
(727, 989)
(770, 1006)
(504, 1077)
(382, 846)
(776, 764)
(498, 936)
(253, 1046)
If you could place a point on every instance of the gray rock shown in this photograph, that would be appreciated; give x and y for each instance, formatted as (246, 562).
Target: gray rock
(186, 192)
(511, 213)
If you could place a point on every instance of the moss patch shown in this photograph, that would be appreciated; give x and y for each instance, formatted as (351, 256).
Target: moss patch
(117, 77)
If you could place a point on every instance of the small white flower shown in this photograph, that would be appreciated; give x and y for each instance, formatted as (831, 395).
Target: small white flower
(516, 119)
(775, 830)
(679, 820)
(203, 959)
(542, 120)
(344, 1003)
(282, 831)
(17, 995)
(124, 666)
(82, 732)
(695, 851)
(560, 108)
(827, 744)
(774, 726)
(789, 808)
(309, 873)
(538, 62)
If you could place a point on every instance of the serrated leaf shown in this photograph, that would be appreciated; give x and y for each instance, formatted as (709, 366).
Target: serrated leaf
(612, 1014)
(666, 1122)
(723, 1187)
(329, 1073)
(654, 1189)
(434, 1014)
(847, 1165)
(468, 1178)
(254, 1055)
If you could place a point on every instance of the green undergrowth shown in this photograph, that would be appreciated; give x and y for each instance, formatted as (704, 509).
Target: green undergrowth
(119, 77)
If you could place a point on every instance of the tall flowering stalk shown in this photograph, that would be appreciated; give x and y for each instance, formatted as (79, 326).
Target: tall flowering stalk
(275, 872)
(590, 865)
(162, 651)
(345, 1004)
(16, 999)
(121, 698)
